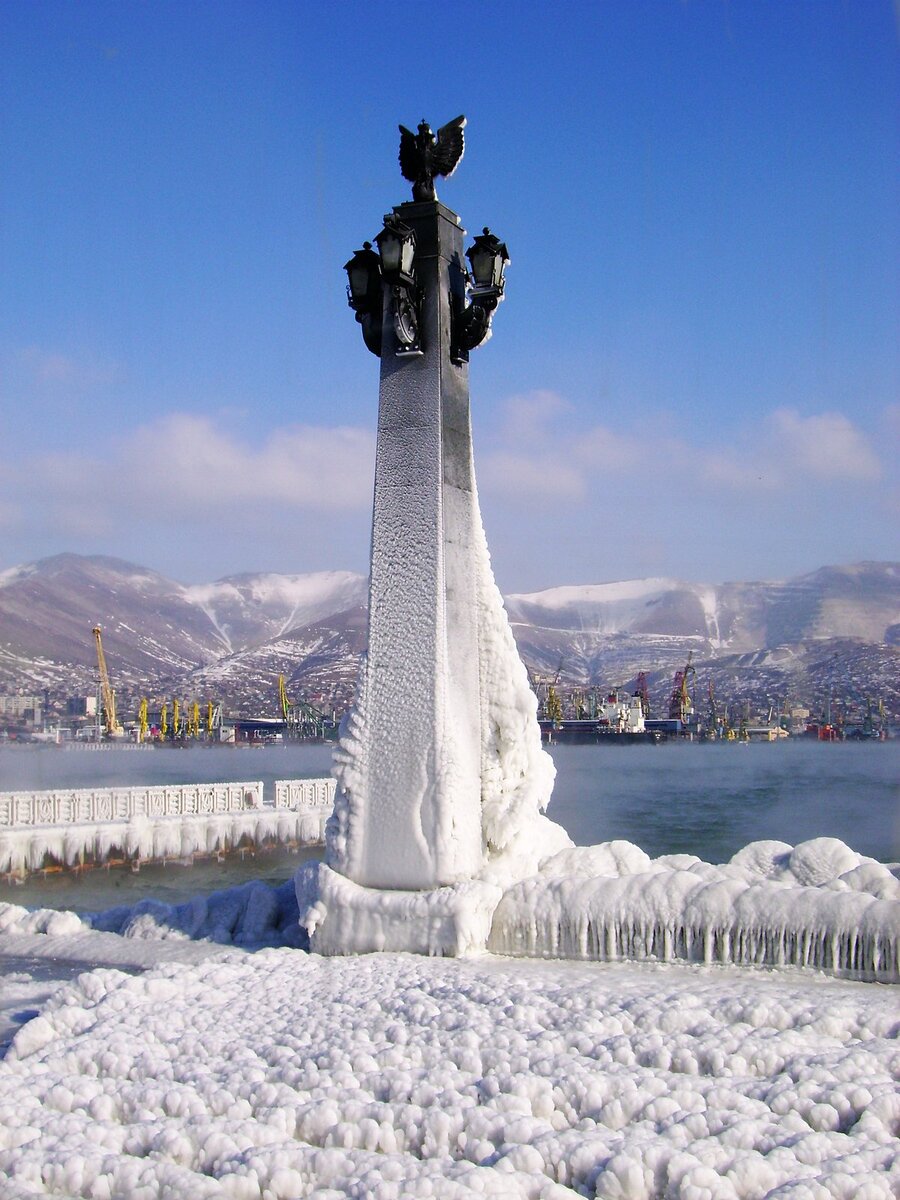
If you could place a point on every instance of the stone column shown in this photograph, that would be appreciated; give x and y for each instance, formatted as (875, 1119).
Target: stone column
(413, 795)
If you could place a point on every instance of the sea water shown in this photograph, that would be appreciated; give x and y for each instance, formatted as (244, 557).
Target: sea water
(704, 799)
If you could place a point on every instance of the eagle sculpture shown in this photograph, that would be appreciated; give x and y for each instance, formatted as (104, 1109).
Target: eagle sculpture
(424, 156)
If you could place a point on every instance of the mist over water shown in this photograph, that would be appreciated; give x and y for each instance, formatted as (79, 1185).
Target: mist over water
(711, 799)
(703, 799)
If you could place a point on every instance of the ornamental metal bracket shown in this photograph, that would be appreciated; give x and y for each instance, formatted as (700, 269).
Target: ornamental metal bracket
(471, 325)
(372, 327)
(405, 302)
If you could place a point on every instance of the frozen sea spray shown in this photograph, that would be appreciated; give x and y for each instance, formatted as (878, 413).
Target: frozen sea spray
(818, 904)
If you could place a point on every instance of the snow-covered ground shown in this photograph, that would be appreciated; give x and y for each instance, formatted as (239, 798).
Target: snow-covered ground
(281, 1075)
(193, 1064)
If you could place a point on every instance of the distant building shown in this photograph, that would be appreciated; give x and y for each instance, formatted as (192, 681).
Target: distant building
(21, 709)
(81, 706)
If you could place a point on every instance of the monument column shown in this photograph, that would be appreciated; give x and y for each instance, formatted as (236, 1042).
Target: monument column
(441, 778)
(417, 822)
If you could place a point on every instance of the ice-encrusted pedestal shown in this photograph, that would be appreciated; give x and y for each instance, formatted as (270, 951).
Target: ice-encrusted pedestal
(441, 777)
(343, 918)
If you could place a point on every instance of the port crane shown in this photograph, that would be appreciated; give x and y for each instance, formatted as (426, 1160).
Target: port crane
(301, 719)
(553, 705)
(283, 700)
(113, 728)
(547, 692)
(681, 706)
(641, 690)
(718, 726)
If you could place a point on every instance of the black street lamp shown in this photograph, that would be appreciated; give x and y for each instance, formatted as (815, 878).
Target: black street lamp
(397, 247)
(473, 294)
(364, 294)
(488, 257)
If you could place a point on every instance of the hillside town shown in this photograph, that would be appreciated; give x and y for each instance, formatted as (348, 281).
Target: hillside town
(93, 649)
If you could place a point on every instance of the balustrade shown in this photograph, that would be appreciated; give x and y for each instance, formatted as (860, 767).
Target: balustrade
(104, 805)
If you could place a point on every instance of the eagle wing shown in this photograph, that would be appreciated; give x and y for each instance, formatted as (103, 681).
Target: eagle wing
(410, 155)
(449, 146)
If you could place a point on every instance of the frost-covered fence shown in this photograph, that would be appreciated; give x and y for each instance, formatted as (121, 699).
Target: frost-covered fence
(311, 800)
(304, 793)
(79, 805)
(71, 827)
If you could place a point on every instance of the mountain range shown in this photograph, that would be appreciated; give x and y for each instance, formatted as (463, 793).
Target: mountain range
(836, 630)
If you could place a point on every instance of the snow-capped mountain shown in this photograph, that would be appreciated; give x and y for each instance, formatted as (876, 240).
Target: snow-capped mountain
(861, 601)
(246, 608)
(153, 628)
(232, 638)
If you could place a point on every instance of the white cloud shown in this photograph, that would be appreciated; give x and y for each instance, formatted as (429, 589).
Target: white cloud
(825, 445)
(190, 468)
(532, 478)
(541, 456)
(565, 499)
(186, 459)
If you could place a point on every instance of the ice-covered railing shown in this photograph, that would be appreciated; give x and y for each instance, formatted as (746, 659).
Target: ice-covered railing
(304, 793)
(818, 904)
(70, 827)
(70, 806)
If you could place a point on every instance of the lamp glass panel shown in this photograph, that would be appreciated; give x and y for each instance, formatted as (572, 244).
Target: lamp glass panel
(408, 254)
(390, 248)
(359, 280)
(482, 266)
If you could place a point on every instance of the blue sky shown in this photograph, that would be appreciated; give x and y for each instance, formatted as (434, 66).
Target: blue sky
(695, 371)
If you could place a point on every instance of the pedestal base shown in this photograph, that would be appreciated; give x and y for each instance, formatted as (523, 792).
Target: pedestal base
(343, 918)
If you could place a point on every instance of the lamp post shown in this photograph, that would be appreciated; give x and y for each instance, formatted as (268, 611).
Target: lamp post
(441, 778)
(387, 283)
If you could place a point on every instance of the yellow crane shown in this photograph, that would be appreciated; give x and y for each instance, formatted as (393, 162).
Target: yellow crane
(113, 728)
(176, 719)
(143, 723)
(194, 724)
(283, 699)
(209, 718)
(163, 721)
(553, 707)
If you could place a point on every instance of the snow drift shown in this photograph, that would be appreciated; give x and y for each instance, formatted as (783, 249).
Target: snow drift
(280, 1075)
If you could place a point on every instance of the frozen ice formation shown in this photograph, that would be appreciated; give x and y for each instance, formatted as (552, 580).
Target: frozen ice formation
(516, 779)
(441, 778)
(408, 799)
(516, 774)
(447, 921)
(73, 826)
(608, 902)
(818, 904)
(254, 914)
(146, 838)
(281, 1074)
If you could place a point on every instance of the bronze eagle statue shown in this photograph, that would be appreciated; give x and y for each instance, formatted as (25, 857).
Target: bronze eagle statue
(424, 156)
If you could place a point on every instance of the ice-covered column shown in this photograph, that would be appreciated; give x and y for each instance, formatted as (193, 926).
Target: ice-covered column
(441, 779)
(411, 786)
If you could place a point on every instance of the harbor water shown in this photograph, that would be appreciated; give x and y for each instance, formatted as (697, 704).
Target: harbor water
(702, 799)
